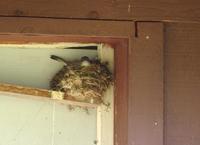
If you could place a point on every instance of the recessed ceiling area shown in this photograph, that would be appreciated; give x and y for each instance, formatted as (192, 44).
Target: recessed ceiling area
(30, 64)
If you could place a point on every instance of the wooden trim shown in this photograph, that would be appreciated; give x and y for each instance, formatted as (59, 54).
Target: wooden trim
(41, 94)
(146, 90)
(78, 28)
(121, 93)
(25, 90)
(48, 39)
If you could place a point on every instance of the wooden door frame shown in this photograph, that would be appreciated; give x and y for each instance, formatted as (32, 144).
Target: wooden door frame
(116, 34)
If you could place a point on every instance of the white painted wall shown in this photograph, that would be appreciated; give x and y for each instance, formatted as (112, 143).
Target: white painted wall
(30, 65)
(35, 122)
(44, 122)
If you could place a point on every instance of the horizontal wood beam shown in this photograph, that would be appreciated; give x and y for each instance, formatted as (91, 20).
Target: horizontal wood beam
(145, 10)
(41, 94)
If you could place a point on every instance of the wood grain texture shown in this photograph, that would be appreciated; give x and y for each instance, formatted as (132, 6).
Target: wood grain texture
(168, 10)
(25, 90)
(146, 86)
(153, 10)
(121, 94)
(77, 28)
(40, 94)
(182, 83)
(92, 9)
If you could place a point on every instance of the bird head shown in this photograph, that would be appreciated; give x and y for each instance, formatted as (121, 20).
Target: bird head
(85, 61)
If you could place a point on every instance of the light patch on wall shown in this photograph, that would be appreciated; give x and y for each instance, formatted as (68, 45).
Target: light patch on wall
(30, 64)
(24, 121)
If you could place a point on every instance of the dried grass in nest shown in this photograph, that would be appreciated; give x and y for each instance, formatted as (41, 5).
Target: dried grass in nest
(84, 83)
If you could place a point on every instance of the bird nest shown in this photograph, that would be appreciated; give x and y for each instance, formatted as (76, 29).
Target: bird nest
(83, 80)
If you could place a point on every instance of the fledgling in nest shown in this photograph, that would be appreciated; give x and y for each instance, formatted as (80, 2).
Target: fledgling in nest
(84, 80)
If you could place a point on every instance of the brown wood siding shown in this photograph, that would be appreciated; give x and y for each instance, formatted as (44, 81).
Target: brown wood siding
(146, 86)
(153, 10)
(182, 84)
(169, 10)
(93, 9)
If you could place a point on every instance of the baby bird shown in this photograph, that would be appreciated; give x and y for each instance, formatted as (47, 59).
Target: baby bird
(85, 61)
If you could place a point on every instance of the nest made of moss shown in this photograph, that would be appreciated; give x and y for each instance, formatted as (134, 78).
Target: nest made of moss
(85, 83)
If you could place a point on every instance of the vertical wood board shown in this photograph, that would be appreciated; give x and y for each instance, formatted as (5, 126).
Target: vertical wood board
(146, 86)
(182, 83)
